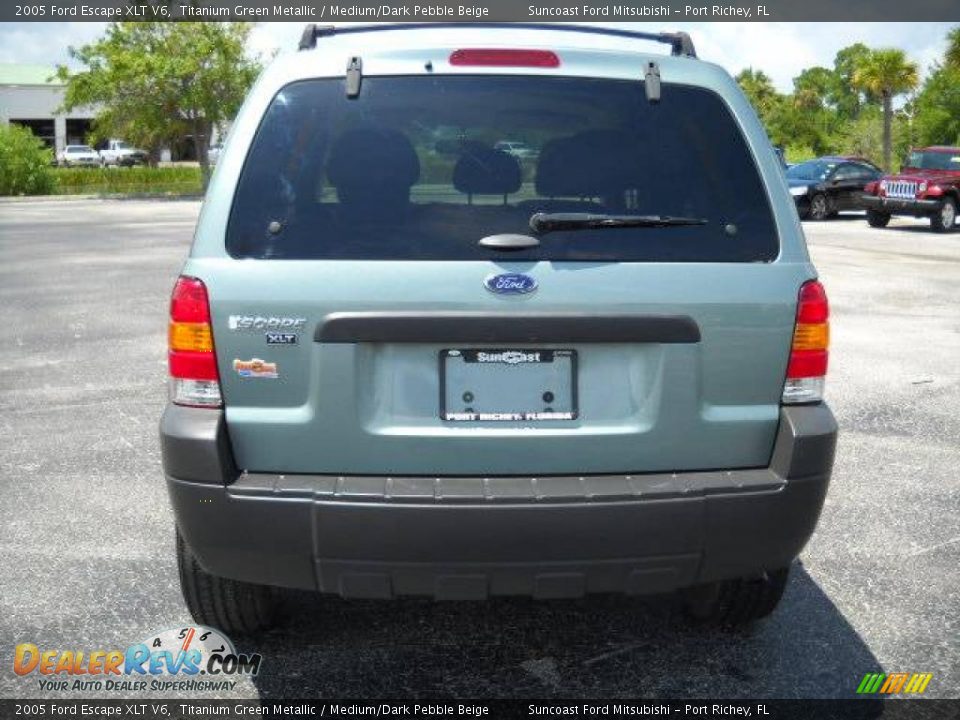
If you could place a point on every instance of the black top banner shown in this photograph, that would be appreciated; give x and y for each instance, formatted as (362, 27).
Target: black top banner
(665, 11)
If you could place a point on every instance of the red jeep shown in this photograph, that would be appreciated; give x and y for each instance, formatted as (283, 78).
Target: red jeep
(928, 185)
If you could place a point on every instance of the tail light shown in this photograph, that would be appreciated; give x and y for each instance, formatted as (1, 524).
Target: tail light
(807, 368)
(194, 380)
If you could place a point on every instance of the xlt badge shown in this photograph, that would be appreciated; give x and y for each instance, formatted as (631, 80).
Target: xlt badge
(281, 338)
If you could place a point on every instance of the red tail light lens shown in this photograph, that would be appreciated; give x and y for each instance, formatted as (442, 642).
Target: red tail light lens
(807, 363)
(807, 367)
(503, 57)
(194, 380)
(812, 306)
(189, 302)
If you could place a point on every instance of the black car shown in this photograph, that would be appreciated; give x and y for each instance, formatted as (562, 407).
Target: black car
(824, 186)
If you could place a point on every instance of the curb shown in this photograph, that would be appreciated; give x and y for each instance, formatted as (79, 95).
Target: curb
(16, 199)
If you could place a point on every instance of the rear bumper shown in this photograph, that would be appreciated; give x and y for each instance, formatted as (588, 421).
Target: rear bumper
(469, 537)
(900, 206)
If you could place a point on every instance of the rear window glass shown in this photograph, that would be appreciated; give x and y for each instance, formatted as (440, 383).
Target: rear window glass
(933, 160)
(422, 168)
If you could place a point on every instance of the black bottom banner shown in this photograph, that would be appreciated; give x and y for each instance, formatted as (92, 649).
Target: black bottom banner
(760, 709)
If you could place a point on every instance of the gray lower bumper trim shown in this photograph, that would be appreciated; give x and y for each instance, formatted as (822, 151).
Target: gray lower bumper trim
(546, 537)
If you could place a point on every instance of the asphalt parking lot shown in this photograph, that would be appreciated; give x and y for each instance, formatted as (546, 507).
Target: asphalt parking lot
(88, 558)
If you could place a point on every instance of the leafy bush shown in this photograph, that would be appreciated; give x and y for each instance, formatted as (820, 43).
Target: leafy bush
(24, 163)
(163, 180)
(799, 153)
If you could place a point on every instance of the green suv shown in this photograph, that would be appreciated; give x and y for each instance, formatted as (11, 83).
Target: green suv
(403, 362)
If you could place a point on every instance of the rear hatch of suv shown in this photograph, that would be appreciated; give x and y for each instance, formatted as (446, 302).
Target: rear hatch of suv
(399, 297)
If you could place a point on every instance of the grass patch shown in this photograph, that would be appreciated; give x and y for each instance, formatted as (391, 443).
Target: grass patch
(128, 181)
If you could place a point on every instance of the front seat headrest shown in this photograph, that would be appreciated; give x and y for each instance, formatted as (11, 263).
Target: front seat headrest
(596, 163)
(373, 168)
(481, 170)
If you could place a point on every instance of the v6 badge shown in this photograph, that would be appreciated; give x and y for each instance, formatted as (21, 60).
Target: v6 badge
(281, 338)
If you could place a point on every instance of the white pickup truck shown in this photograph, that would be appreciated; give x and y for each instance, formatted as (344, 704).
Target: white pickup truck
(120, 153)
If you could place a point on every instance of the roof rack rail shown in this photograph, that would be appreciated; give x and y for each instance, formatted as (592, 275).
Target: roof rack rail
(680, 43)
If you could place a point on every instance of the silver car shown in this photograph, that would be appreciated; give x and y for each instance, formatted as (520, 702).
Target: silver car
(79, 156)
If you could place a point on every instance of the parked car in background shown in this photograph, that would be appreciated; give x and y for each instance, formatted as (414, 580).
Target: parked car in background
(213, 154)
(827, 185)
(928, 186)
(516, 148)
(79, 156)
(121, 154)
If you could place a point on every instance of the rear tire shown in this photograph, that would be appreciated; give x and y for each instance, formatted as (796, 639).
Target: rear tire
(877, 219)
(228, 605)
(819, 207)
(946, 217)
(739, 601)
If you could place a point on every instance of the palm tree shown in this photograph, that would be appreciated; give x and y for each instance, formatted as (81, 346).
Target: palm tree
(952, 57)
(759, 89)
(885, 74)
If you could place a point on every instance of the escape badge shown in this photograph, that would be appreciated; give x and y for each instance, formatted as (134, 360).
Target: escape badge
(255, 368)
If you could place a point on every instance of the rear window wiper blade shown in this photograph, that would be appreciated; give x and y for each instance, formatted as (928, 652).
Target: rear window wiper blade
(553, 222)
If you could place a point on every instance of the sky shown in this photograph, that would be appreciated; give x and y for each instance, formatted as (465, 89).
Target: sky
(781, 50)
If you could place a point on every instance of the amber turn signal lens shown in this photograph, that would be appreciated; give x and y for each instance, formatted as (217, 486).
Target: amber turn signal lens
(192, 337)
(811, 336)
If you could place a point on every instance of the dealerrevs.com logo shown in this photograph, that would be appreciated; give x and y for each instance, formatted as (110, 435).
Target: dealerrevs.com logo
(181, 659)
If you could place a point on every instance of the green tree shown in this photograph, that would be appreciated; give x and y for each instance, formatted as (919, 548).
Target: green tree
(863, 136)
(812, 88)
(24, 163)
(775, 111)
(886, 74)
(759, 89)
(157, 82)
(937, 107)
(952, 57)
(814, 119)
(844, 95)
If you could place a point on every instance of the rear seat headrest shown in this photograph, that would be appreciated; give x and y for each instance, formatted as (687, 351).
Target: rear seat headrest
(595, 163)
(372, 157)
(481, 170)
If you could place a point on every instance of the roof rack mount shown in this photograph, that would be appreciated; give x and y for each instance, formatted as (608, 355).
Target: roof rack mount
(680, 43)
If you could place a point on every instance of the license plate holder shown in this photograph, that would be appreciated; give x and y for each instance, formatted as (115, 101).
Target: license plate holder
(508, 385)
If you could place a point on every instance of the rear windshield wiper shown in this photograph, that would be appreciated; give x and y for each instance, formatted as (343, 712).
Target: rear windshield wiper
(552, 222)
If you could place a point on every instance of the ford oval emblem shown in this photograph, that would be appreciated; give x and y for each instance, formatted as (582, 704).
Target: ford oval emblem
(510, 284)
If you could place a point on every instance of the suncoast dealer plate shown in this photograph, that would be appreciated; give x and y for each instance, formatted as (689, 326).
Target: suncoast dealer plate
(508, 385)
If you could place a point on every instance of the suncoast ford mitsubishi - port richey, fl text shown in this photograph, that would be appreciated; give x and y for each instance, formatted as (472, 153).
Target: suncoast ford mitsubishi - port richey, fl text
(614, 10)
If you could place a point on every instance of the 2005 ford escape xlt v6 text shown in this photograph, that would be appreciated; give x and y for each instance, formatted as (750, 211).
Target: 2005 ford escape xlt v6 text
(406, 362)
